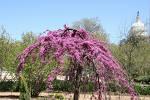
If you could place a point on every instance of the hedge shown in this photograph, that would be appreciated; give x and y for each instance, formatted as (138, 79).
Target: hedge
(142, 89)
(8, 86)
(66, 86)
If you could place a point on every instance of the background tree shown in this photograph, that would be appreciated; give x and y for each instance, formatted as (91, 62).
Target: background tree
(7, 52)
(133, 54)
(34, 77)
(93, 26)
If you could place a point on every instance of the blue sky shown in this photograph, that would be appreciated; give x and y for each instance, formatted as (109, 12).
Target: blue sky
(18, 16)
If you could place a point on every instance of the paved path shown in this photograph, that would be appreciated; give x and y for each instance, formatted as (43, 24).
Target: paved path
(11, 95)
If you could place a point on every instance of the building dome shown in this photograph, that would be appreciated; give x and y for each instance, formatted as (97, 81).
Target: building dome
(138, 27)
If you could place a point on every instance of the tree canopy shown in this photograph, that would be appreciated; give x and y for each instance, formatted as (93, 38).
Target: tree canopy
(81, 49)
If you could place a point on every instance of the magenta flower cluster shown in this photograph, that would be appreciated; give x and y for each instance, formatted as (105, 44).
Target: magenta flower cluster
(77, 45)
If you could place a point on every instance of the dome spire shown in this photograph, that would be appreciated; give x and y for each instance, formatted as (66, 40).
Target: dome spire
(138, 17)
(138, 13)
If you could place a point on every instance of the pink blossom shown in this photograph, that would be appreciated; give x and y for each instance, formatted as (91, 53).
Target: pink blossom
(77, 45)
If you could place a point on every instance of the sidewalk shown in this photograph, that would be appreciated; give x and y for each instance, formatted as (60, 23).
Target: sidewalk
(44, 96)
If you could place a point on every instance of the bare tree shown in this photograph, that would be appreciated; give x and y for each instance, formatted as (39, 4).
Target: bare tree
(93, 26)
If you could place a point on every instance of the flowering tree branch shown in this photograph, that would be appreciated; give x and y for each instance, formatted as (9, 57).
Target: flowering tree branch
(78, 46)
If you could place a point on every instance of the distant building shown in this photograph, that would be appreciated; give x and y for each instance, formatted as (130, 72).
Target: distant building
(5, 75)
(137, 30)
(61, 77)
(138, 27)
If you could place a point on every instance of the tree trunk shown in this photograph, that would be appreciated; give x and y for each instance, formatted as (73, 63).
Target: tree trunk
(76, 94)
(100, 94)
(77, 82)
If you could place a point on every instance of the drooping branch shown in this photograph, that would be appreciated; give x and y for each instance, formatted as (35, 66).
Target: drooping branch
(77, 45)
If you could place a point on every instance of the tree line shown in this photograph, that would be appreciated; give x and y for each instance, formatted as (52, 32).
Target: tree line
(133, 53)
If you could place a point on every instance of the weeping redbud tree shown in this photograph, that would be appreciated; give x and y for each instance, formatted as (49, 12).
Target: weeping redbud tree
(83, 52)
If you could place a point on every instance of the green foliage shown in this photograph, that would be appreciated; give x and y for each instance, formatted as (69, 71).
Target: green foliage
(112, 87)
(8, 86)
(59, 85)
(142, 89)
(133, 54)
(89, 87)
(66, 86)
(7, 52)
(36, 78)
(143, 79)
(28, 38)
(59, 97)
(24, 89)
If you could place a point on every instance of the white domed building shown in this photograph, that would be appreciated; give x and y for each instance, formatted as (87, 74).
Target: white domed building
(137, 28)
